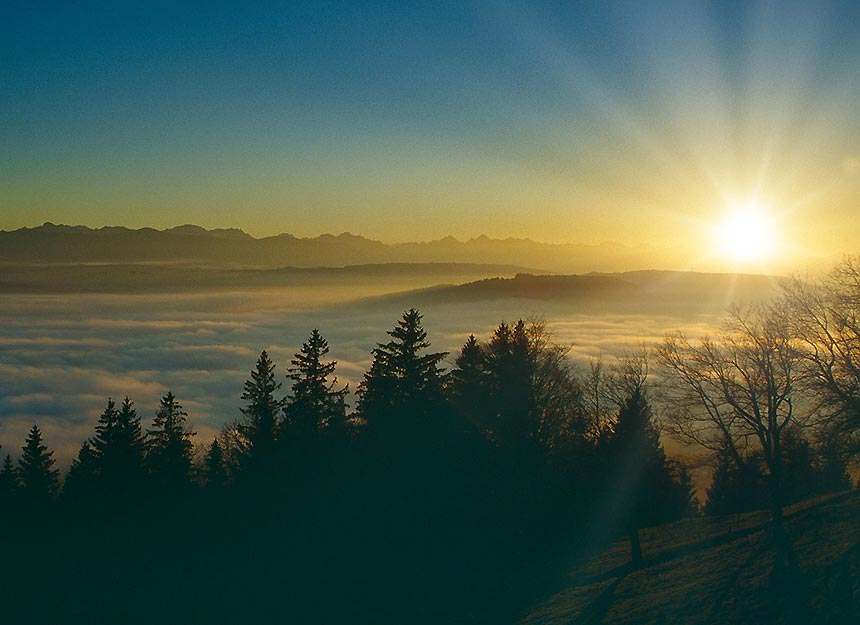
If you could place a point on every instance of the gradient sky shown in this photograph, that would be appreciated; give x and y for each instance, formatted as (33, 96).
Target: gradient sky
(638, 122)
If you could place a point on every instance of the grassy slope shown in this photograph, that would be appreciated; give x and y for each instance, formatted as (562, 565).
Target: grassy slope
(721, 570)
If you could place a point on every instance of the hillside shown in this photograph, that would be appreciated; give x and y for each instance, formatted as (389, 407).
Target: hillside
(661, 292)
(78, 244)
(720, 571)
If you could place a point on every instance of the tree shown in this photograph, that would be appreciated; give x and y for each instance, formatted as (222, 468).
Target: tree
(510, 368)
(597, 399)
(825, 316)
(403, 382)
(169, 446)
(534, 400)
(736, 393)
(215, 468)
(733, 491)
(8, 479)
(798, 460)
(315, 403)
(652, 489)
(831, 470)
(39, 480)
(118, 447)
(259, 429)
(82, 480)
(467, 383)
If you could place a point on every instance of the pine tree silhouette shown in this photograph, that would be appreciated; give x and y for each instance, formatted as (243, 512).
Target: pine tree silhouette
(734, 490)
(259, 429)
(401, 377)
(39, 480)
(215, 468)
(169, 447)
(8, 480)
(831, 472)
(644, 480)
(467, 385)
(314, 402)
(117, 452)
(82, 481)
(510, 370)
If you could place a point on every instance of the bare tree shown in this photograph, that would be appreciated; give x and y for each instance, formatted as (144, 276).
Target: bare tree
(736, 393)
(608, 387)
(825, 315)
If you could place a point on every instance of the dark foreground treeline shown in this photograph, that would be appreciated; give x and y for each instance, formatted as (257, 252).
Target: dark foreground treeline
(444, 497)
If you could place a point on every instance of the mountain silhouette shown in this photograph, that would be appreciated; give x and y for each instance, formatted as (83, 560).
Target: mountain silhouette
(233, 247)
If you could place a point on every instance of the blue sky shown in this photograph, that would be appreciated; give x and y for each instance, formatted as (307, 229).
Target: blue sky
(565, 121)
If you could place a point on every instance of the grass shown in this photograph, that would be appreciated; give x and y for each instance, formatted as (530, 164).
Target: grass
(722, 570)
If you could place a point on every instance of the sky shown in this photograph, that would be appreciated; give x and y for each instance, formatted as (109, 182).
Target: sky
(637, 122)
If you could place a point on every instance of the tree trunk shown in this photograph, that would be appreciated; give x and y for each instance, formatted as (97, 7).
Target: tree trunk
(784, 553)
(635, 547)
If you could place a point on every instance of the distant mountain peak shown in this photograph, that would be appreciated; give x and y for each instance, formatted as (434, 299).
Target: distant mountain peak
(186, 229)
(221, 233)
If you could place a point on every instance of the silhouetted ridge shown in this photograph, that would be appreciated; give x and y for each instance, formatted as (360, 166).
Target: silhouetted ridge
(188, 242)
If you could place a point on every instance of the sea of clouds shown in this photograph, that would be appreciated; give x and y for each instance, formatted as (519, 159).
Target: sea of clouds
(62, 356)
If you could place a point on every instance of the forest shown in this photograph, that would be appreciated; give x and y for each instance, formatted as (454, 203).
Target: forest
(441, 496)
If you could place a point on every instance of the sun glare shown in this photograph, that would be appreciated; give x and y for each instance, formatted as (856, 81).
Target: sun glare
(746, 234)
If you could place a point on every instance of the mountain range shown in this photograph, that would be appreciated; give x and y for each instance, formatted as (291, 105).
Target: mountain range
(52, 243)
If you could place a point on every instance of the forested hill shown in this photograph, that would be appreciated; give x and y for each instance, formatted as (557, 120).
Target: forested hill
(78, 244)
(635, 288)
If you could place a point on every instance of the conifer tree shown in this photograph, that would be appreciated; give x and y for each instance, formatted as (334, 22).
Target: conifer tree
(82, 480)
(215, 468)
(402, 377)
(314, 402)
(467, 383)
(732, 489)
(169, 446)
(118, 450)
(39, 480)
(8, 479)
(259, 429)
(831, 471)
(798, 474)
(643, 475)
(513, 413)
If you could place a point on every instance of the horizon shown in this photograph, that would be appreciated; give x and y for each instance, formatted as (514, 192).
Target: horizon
(733, 260)
(332, 233)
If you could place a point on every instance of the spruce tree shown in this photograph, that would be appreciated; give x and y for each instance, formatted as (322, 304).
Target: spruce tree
(118, 450)
(644, 477)
(39, 480)
(259, 429)
(734, 490)
(513, 413)
(402, 378)
(215, 468)
(468, 381)
(8, 479)
(314, 402)
(831, 471)
(798, 474)
(82, 481)
(169, 446)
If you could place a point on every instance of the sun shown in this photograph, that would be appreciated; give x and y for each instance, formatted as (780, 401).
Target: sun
(746, 234)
